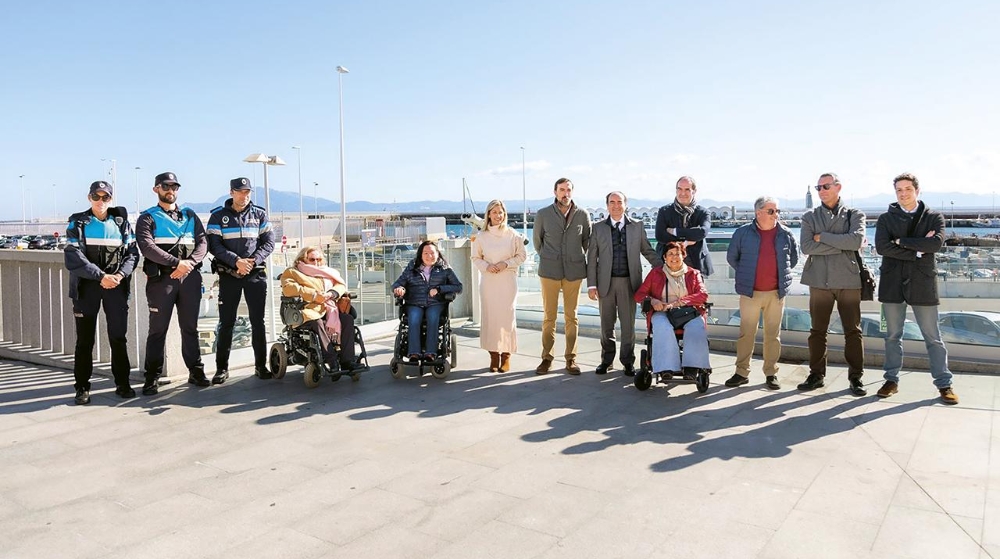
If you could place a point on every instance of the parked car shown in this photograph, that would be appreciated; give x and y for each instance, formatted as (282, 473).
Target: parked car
(971, 327)
(23, 242)
(871, 327)
(795, 320)
(44, 242)
(399, 252)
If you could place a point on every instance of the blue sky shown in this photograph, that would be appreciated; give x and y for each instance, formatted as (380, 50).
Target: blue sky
(750, 98)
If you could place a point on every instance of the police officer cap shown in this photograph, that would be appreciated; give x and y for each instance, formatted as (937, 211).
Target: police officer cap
(241, 183)
(101, 185)
(167, 178)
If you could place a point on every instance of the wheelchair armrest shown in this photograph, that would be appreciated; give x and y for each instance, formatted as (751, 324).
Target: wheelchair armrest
(647, 305)
(399, 301)
(449, 296)
(294, 302)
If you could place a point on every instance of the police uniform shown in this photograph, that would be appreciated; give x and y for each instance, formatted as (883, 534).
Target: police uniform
(95, 248)
(166, 237)
(234, 235)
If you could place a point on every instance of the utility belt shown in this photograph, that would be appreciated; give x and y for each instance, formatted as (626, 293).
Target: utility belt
(220, 268)
(154, 270)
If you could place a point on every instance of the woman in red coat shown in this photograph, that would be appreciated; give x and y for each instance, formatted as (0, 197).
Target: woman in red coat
(675, 285)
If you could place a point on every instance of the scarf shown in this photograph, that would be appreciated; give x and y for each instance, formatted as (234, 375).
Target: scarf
(676, 287)
(330, 277)
(684, 211)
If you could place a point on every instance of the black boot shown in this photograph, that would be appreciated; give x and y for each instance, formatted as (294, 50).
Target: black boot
(197, 377)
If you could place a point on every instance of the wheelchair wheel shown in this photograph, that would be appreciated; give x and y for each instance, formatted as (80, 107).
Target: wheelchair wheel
(335, 377)
(278, 360)
(644, 361)
(396, 369)
(643, 380)
(701, 381)
(355, 377)
(312, 375)
(454, 351)
(441, 371)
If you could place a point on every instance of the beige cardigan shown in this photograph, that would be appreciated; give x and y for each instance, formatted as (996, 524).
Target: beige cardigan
(296, 284)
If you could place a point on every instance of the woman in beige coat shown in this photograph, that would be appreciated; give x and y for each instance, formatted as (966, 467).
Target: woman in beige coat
(320, 288)
(497, 252)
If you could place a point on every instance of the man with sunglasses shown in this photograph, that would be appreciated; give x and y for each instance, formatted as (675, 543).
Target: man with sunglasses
(831, 235)
(240, 240)
(172, 240)
(100, 255)
(763, 253)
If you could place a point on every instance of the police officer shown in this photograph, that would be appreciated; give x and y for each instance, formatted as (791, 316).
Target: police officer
(100, 255)
(172, 240)
(240, 240)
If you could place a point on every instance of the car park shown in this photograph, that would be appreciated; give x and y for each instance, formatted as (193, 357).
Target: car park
(871, 327)
(970, 327)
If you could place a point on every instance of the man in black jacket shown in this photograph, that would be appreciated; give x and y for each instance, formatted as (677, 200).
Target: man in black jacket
(100, 255)
(686, 221)
(907, 236)
(240, 239)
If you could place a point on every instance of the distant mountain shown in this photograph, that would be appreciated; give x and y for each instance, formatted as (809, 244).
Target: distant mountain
(288, 202)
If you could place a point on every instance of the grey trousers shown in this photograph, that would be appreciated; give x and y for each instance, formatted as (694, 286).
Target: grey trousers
(618, 305)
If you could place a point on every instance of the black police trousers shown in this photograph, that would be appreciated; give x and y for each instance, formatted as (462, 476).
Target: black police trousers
(163, 293)
(254, 288)
(85, 309)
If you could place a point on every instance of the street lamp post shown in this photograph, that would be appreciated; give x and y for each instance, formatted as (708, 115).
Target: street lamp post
(952, 214)
(343, 182)
(272, 160)
(524, 196)
(302, 234)
(24, 216)
(319, 223)
(135, 179)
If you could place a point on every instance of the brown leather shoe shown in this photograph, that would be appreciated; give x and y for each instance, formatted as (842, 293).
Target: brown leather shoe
(948, 396)
(571, 367)
(504, 362)
(494, 361)
(888, 389)
(543, 367)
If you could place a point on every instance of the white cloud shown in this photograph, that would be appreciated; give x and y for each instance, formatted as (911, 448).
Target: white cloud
(516, 168)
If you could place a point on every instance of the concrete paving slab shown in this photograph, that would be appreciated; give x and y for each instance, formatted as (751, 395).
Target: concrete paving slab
(503, 465)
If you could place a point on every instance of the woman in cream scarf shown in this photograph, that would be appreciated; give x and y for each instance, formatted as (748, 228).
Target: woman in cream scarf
(321, 287)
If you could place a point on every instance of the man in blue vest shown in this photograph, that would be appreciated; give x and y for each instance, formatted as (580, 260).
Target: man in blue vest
(240, 240)
(172, 240)
(100, 255)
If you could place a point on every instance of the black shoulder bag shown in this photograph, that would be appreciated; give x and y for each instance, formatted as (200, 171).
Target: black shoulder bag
(867, 277)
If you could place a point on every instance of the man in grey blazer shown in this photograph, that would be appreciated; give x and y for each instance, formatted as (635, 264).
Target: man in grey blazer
(614, 272)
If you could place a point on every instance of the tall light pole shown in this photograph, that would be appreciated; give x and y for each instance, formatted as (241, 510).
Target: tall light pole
(524, 195)
(316, 212)
(343, 183)
(135, 180)
(952, 214)
(24, 216)
(114, 172)
(268, 160)
(302, 233)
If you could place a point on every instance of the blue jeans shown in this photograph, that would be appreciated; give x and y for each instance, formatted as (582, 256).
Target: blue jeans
(666, 352)
(927, 319)
(414, 316)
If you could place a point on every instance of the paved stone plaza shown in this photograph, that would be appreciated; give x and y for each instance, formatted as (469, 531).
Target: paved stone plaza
(508, 465)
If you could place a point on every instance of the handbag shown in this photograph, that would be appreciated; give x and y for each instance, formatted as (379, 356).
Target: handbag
(679, 316)
(867, 279)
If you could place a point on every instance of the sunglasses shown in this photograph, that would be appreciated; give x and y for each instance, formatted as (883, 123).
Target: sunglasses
(169, 187)
(100, 197)
(819, 187)
(771, 211)
(314, 260)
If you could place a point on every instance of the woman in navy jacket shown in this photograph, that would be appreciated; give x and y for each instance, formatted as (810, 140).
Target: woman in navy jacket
(423, 285)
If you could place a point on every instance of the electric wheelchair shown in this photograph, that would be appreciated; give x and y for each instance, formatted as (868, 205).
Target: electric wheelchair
(446, 357)
(644, 377)
(302, 347)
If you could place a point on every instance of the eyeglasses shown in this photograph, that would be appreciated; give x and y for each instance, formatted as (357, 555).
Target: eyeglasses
(771, 211)
(819, 187)
(169, 187)
(100, 197)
